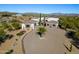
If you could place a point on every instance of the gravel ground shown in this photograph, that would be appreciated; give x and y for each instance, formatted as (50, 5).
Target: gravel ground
(51, 43)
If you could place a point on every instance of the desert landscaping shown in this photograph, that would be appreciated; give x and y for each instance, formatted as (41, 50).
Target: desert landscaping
(37, 34)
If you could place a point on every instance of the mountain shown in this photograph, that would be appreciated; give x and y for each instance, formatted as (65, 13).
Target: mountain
(63, 14)
(34, 14)
(37, 14)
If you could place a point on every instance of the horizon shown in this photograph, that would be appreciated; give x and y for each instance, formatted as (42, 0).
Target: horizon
(40, 8)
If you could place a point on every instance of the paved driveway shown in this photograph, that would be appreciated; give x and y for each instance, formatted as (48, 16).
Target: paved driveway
(52, 42)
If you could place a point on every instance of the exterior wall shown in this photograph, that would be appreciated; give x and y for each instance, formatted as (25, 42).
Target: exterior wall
(52, 19)
(34, 22)
(32, 26)
(49, 19)
(23, 26)
(52, 23)
(37, 23)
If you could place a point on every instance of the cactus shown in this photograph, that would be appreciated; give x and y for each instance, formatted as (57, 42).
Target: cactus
(40, 19)
(44, 23)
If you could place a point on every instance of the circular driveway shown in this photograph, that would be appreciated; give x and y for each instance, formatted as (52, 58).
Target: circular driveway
(51, 44)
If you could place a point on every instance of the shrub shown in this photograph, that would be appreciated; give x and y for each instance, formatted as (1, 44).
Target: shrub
(77, 34)
(20, 33)
(16, 25)
(2, 35)
(41, 30)
(5, 25)
(9, 36)
(9, 52)
(10, 28)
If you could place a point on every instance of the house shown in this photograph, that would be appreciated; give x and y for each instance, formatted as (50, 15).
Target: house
(50, 21)
(29, 24)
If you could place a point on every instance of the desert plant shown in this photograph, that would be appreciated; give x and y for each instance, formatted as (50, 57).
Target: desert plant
(20, 33)
(16, 25)
(9, 52)
(41, 31)
(40, 20)
(2, 35)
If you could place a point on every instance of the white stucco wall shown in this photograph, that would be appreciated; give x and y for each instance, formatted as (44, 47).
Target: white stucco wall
(37, 20)
(49, 19)
(52, 19)
(23, 26)
(32, 26)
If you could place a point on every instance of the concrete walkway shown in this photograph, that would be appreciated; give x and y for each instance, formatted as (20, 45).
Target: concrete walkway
(52, 42)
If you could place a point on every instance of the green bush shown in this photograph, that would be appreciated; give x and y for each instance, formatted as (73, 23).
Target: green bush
(10, 28)
(41, 30)
(16, 25)
(77, 34)
(20, 33)
(2, 35)
(5, 25)
(9, 52)
(70, 22)
(9, 36)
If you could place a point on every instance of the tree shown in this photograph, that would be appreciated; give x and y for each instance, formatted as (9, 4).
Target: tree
(41, 31)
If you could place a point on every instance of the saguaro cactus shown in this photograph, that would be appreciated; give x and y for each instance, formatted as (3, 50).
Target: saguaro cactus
(44, 23)
(40, 19)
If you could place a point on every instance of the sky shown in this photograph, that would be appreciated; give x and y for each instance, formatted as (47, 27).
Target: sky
(40, 8)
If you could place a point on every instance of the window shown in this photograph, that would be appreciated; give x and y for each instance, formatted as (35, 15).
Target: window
(46, 20)
(27, 25)
(54, 25)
